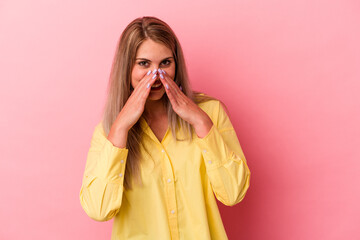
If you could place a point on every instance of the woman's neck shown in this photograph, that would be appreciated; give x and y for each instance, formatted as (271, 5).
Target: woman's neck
(154, 110)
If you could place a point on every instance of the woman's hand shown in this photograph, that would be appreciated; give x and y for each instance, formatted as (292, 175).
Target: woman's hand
(134, 106)
(132, 110)
(185, 107)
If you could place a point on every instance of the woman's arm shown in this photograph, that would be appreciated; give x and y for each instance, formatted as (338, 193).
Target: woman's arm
(102, 186)
(225, 162)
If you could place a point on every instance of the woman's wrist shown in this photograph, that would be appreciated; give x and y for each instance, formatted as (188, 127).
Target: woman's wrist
(203, 126)
(118, 136)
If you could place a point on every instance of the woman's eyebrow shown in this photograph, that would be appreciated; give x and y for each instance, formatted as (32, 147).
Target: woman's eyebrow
(150, 61)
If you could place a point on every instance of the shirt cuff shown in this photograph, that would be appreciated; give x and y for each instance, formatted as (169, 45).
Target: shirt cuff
(112, 161)
(213, 148)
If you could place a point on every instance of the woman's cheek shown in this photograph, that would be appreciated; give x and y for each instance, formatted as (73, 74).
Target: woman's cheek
(137, 76)
(170, 72)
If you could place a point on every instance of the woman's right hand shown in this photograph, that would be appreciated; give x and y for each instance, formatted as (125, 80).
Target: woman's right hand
(132, 110)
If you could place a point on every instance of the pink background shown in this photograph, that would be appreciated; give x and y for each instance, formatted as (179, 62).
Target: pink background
(288, 71)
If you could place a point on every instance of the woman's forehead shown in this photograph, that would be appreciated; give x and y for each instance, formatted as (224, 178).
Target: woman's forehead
(150, 49)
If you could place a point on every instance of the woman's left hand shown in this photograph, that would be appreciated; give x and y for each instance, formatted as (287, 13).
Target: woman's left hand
(185, 107)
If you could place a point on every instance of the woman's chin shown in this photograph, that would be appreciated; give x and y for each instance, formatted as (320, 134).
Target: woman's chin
(155, 96)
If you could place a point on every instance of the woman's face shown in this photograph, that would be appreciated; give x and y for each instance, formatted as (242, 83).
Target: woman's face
(152, 55)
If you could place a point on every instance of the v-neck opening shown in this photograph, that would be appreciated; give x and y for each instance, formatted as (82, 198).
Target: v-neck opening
(147, 129)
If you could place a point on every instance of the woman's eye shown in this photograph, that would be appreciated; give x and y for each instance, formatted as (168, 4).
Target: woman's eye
(142, 63)
(166, 62)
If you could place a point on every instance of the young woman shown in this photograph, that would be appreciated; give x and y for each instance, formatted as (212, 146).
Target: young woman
(161, 151)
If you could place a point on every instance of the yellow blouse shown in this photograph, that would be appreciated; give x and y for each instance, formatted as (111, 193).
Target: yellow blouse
(177, 200)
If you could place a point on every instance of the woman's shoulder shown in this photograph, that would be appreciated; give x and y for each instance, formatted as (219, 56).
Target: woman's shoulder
(99, 130)
(206, 102)
(99, 127)
(209, 104)
(214, 107)
(204, 99)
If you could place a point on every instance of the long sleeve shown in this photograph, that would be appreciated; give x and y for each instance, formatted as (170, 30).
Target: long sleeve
(225, 162)
(102, 185)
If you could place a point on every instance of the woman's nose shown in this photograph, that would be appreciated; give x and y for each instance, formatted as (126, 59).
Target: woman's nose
(156, 69)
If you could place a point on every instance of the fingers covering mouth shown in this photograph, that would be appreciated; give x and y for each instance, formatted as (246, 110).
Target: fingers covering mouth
(157, 84)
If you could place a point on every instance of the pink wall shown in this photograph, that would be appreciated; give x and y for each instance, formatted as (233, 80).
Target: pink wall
(287, 70)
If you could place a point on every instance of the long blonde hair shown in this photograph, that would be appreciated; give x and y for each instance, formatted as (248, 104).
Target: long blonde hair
(119, 87)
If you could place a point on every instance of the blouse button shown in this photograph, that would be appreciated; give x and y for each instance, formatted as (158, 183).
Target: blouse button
(120, 175)
(169, 180)
(162, 150)
(209, 161)
(172, 211)
(122, 161)
(204, 150)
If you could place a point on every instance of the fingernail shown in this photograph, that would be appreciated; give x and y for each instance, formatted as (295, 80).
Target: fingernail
(161, 76)
(148, 85)
(180, 88)
(148, 72)
(160, 70)
(167, 86)
(154, 76)
(154, 71)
